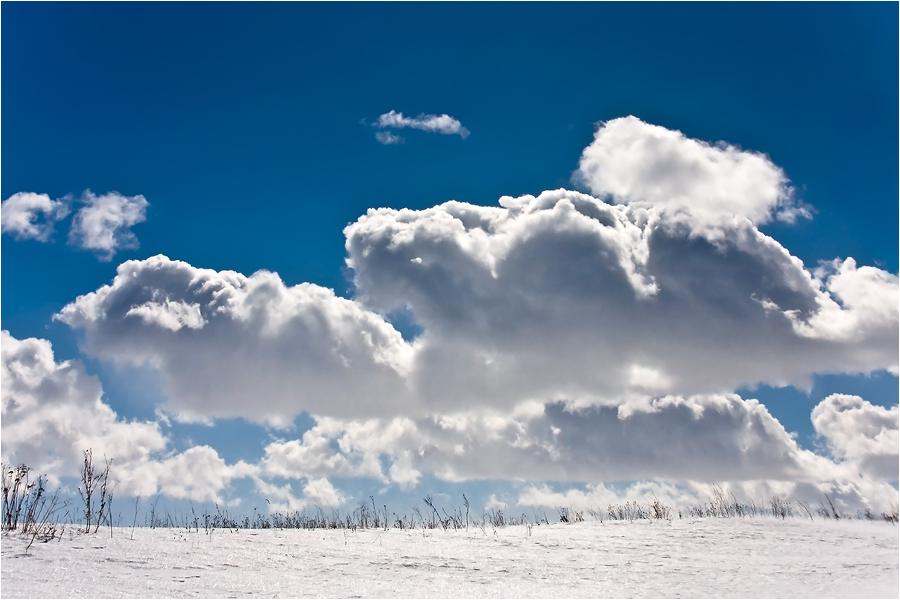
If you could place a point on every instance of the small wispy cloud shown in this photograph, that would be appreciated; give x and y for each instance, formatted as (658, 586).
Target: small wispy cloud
(443, 124)
(387, 138)
(30, 216)
(103, 224)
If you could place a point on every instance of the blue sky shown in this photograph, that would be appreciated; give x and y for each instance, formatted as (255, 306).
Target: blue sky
(249, 131)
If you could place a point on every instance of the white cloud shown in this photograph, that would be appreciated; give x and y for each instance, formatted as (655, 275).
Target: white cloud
(711, 438)
(554, 297)
(682, 496)
(318, 492)
(103, 224)
(313, 455)
(53, 411)
(860, 433)
(689, 181)
(563, 338)
(494, 503)
(387, 138)
(854, 303)
(198, 474)
(26, 215)
(347, 448)
(564, 296)
(699, 441)
(170, 315)
(598, 497)
(444, 124)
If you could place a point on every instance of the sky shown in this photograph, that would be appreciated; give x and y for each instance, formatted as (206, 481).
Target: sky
(296, 255)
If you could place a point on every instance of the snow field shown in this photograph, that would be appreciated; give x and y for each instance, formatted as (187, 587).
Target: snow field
(751, 557)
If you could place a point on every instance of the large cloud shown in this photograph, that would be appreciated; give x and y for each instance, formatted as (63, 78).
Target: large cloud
(564, 336)
(562, 296)
(52, 411)
(559, 297)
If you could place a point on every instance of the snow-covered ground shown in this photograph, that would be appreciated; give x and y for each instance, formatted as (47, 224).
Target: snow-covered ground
(750, 557)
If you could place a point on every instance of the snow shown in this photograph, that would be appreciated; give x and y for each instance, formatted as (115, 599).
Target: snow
(750, 557)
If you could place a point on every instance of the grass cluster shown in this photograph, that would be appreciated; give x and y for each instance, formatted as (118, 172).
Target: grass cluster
(367, 515)
(29, 509)
(97, 511)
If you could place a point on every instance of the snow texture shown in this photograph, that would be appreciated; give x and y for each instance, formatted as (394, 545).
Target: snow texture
(731, 558)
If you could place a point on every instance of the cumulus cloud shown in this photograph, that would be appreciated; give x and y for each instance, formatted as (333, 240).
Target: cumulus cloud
(853, 303)
(680, 447)
(682, 496)
(30, 216)
(562, 296)
(689, 181)
(565, 336)
(228, 345)
(198, 474)
(443, 124)
(317, 492)
(711, 438)
(53, 411)
(103, 224)
(599, 496)
(559, 297)
(860, 433)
